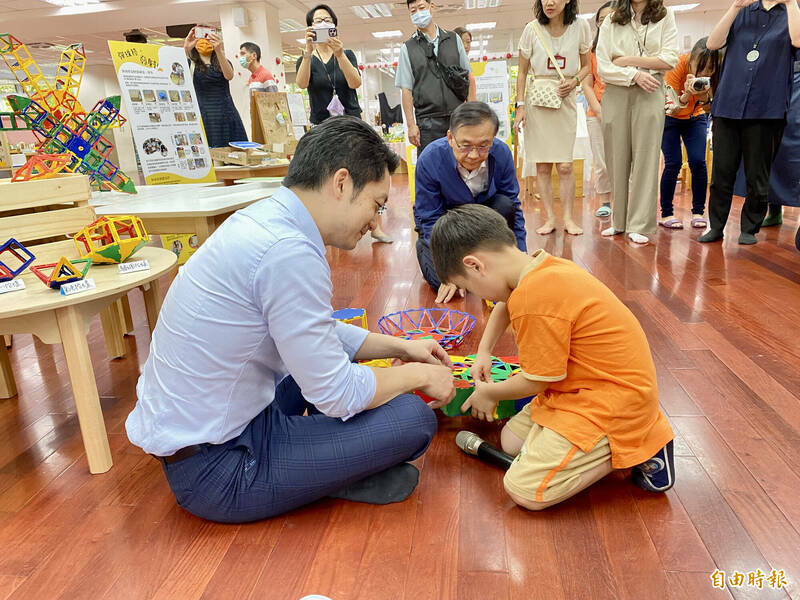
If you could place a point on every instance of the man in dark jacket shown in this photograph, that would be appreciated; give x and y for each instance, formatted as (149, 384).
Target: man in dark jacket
(469, 166)
(427, 100)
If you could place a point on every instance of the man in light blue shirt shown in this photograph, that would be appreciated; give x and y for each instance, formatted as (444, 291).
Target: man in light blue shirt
(427, 100)
(245, 345)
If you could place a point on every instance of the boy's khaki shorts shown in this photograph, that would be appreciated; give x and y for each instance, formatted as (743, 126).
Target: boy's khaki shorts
(549, 467)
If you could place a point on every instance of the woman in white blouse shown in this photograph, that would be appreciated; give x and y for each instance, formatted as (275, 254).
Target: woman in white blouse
(638, 43)
(550, 132)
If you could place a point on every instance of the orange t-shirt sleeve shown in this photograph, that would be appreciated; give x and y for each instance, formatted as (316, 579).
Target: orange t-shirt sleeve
(543, 344)
(676, 78)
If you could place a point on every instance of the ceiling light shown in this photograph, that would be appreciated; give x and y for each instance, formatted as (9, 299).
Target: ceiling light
(72, 3)
(683, 7)
(480, 26)
(373, 12)
(384, 9)
(387, 34)
(360, 12)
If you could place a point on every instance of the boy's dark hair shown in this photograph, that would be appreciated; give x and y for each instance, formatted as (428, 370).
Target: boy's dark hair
(473, 113)
(463, 230)
(340, 143)
(597, 24)
(653, 12)
(570, 12)
(310, 14)
(251, 47)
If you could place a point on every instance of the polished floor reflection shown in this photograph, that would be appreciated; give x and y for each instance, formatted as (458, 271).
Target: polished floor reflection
(723, 323)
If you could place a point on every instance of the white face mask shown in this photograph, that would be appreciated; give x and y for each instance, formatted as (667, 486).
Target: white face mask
(421, 18)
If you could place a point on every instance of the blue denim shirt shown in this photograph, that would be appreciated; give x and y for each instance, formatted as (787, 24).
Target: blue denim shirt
(252, 305)
(760, 89)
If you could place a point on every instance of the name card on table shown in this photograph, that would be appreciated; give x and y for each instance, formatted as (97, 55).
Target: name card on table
(132, 267)
(12, 286)
(84, 285)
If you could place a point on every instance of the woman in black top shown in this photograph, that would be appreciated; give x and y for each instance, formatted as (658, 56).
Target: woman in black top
(326, 68)
(212, 72)
(331, 75)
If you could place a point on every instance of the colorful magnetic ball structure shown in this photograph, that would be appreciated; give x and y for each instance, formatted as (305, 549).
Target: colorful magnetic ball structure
(502, 368)
(111, 240)
(18, 251)
(352, 316)
(64, 271)
(447, 326)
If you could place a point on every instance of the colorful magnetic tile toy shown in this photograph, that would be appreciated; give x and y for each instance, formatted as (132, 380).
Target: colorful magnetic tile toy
(352, 316)
(447, 326)
(111, 240)
(18, 251)
(502, 368)
(64, 271)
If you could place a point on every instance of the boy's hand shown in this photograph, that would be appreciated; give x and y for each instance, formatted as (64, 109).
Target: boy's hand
(446, 293)
(481, 402)
(481, 369)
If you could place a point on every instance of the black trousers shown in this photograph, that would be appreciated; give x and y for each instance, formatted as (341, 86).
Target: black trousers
(754, 142)
(430, 130)
(501, 204)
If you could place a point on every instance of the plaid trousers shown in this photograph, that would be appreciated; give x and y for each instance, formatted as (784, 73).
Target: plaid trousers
(283, 460)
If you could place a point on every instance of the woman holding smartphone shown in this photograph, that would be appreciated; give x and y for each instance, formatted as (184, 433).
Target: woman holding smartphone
(692, 81)
(330, 73)
(212, 72)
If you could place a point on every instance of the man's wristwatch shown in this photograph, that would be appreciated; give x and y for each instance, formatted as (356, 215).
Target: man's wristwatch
(518, 104)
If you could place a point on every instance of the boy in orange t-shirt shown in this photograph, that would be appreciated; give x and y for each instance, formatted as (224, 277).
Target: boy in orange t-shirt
(582, 353)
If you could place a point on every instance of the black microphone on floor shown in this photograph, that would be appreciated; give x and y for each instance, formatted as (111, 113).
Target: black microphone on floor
(471, 443)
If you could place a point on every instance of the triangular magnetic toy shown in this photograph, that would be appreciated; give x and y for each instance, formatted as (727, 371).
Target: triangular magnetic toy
(64, 271)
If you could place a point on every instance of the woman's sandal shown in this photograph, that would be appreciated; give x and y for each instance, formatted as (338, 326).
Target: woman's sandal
(699, 222)
(671, 223)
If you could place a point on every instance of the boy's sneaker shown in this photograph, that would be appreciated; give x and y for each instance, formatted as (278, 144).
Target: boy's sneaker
(658, 473)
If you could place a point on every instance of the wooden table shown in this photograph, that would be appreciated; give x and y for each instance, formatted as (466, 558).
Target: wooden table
(198, 211)
(57, 319)
(149, 192)
(229, 173)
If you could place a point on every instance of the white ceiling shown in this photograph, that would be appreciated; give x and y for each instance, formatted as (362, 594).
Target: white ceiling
(35, 21)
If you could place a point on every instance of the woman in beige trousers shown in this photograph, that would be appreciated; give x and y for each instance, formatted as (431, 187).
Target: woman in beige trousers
(637, 44)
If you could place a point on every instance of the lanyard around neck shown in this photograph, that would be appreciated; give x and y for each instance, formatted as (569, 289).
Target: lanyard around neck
(325, 68)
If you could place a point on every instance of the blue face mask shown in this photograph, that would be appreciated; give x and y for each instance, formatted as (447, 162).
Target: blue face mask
(421, 18)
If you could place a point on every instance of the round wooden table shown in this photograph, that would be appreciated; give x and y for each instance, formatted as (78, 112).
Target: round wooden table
(59, 319)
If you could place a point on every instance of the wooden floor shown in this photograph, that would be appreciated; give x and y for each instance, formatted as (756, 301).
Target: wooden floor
(724, 328)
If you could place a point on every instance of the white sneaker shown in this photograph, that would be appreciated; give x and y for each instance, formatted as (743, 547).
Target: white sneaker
(638, 238)
(609, 232)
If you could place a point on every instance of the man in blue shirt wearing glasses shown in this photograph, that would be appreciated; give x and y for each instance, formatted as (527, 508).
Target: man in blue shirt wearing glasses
(469, 166)
(250, 397)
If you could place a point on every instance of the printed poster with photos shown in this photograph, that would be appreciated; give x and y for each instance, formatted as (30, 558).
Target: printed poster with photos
(491, 85)
(163, 113)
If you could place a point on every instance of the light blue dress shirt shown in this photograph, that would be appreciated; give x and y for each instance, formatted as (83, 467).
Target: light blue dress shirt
(252, 305)
(404, 77)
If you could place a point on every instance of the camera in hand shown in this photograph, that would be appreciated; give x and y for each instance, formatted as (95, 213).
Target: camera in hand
(323, 33)
(701, 84)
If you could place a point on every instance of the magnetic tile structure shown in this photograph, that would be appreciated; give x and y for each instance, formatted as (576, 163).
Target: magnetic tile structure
(352, 316)
(64, 271)
(111, 240)
(12, 247)
(447, 326)
(57, 119)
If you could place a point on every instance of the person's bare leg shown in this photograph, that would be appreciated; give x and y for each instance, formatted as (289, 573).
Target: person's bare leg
(566, 190)
(587, 478)
(510, 442)
(544, 183)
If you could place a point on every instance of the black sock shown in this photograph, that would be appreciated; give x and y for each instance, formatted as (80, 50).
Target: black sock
(395, 484)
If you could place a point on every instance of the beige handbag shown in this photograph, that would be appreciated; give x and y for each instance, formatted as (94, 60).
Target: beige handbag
(543, 92)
